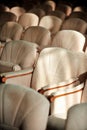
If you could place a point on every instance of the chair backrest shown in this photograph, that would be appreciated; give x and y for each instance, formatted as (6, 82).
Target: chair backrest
(69, 39)
(76, 119)
(7, 16)
(20, 107)
(10, 31)
(52, 23)
(78, 14)
(75, 24)
(28, 19)
(17, 10)
(56, 65)
(38, 11)
(20, 52)
(58, 13)
(67, 9)
(39, 35)
(78, 8)
(51, 3)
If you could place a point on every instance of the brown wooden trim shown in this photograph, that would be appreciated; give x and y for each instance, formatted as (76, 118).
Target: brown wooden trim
(42, 91)
(52, 98)
(3, 78)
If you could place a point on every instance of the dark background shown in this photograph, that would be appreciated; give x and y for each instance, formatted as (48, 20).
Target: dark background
(22, 2)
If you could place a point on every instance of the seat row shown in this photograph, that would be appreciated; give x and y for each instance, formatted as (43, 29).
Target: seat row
(53, 71)
(69, 39)
(20, 107)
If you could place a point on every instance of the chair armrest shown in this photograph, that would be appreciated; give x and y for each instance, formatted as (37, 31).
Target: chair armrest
(66, 92)
(63, 85)
(20, 73)
(52, 87)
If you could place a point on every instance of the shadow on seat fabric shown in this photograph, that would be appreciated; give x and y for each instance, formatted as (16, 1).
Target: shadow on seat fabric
(39, 35)
(22, 108)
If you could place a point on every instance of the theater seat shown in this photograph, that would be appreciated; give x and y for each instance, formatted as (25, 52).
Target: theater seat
(10, 31)
(28, 19)
(38, 35)
(52, 23)
(76, 117)
(17, 62)
(70, 39)
(60, 75)
(22, 108)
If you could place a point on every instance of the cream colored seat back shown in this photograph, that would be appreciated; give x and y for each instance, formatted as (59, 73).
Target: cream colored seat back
(70, 39)
(39, 35)
(76, 119)
(52, 23)
(10, 31)
(18, 11)
(75, 24)
(56, 65)
(17, 62)
(20, 107)
(54, 70)
(28, 19)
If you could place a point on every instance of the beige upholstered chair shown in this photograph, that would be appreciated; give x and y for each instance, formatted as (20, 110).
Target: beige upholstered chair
(55, 123)
(10, 31)
(38, 11)
(75, 24)
(52, 23)
(67, 9)
(28, 19)
(18, 11)
(17, 62)
(39, 35)
(6, 17)
(59, 75)
(51, 3)
(78, 8)
(79, 14)
(22, 108)
(76, 119)
(70, 39)
(58, 13)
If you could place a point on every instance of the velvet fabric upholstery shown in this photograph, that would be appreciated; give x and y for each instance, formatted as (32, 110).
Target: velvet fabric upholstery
(7, 16)
(56, 65)
(23, 108)
(39, 35)
(58, 13)
(23, 54)
(38, 11)
(76, 119)
(75, 24)
(17, 10)
(52, 23)
(28, 19)
(10, 31)
(64, 7)
(51, 3)
(69, 39)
